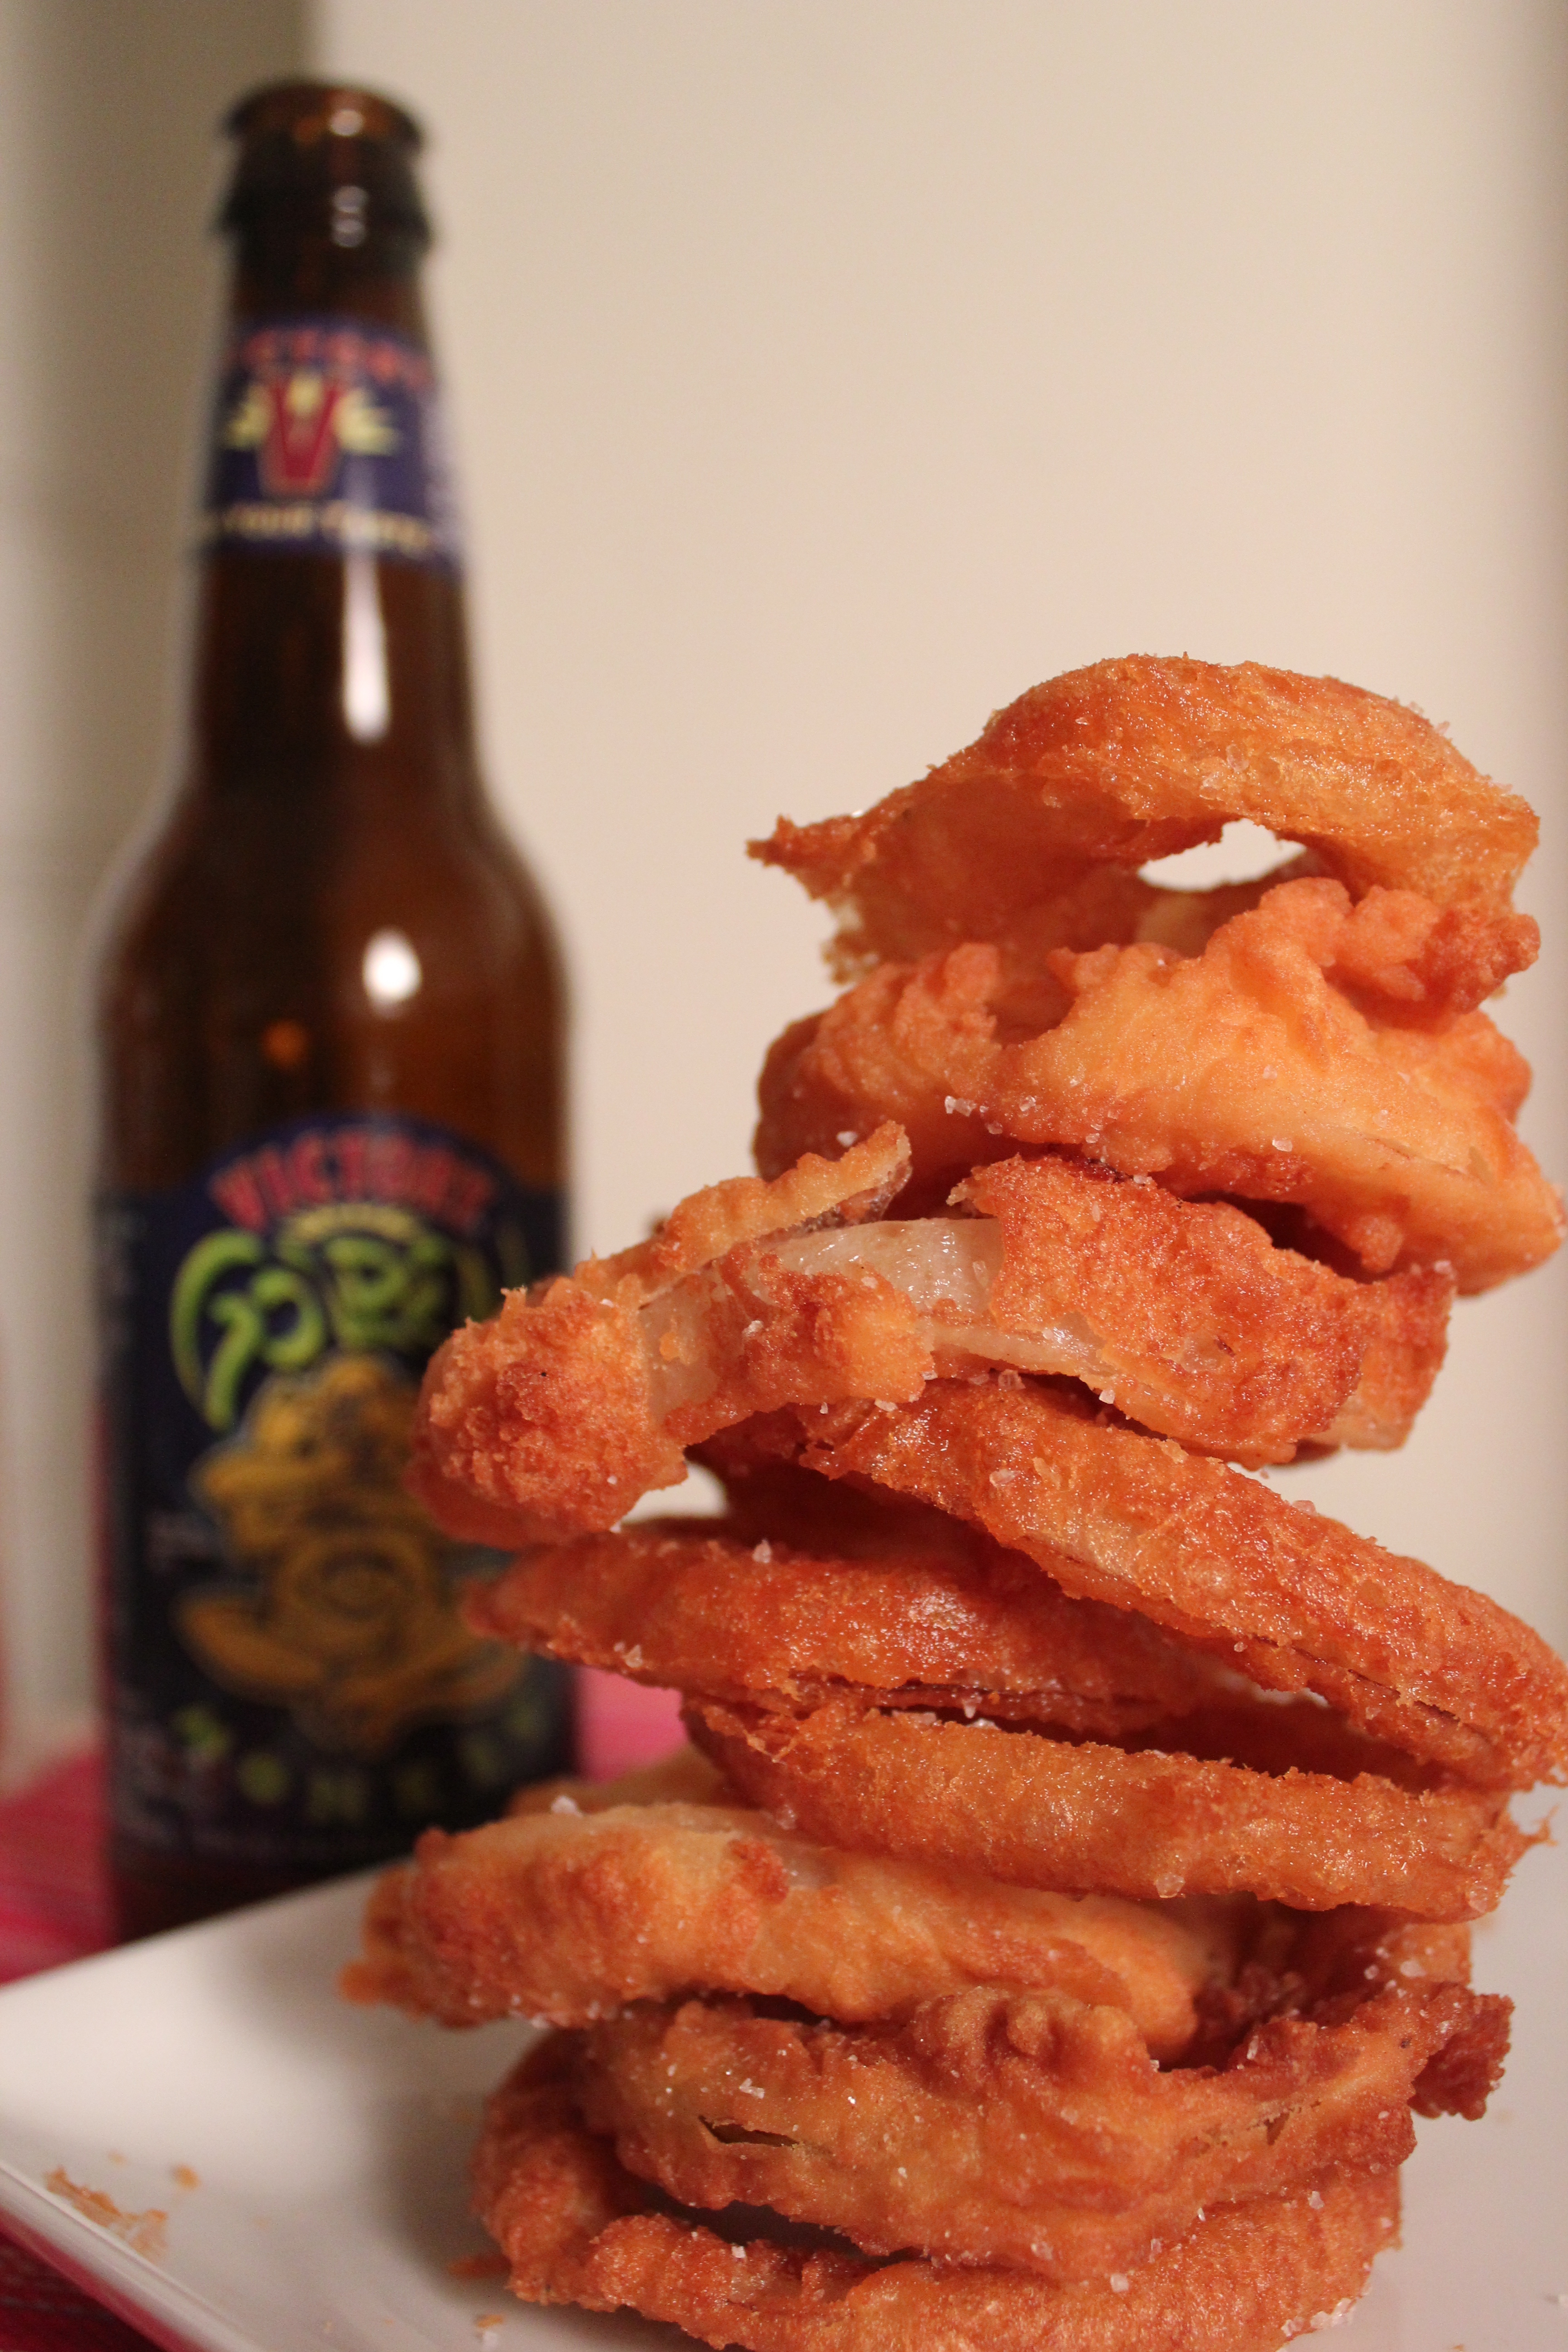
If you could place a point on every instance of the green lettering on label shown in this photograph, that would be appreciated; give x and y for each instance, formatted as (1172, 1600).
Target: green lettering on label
(212, 1258)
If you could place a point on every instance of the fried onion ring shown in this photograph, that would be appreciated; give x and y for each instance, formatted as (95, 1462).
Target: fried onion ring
(1150, 1824)
(576, 2227)
(1025, 2130)
(1267, 1067)
(664, 1602)
(584, 1391)
(1288, 1597)
(686, 1605)
(1200, 1327)
(1130, 761)
(566, 1916)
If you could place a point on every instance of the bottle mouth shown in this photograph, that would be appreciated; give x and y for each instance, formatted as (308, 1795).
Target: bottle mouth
(325, 156)
(309, 112)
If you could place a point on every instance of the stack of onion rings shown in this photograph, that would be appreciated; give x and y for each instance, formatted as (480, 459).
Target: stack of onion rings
(578, 2227)
(1063, 1908)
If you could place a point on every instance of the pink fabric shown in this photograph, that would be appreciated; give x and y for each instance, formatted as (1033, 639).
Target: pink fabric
(54, 1907)
(621, 1724)
(54, 1894)
(42, 2311)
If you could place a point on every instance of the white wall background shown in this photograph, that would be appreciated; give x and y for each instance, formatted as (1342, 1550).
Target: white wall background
(826, 372)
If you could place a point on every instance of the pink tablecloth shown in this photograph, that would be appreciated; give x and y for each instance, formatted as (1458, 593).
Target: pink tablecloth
(54, 1896)
(54, 1907)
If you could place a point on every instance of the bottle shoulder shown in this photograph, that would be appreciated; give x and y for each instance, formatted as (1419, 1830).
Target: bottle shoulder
(228, 877)
(261, 973)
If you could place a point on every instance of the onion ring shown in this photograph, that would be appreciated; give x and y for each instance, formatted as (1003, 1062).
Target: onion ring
(1263, 1067)
(1152, 1825)
(1290, 1598)
(681, 1605)
(685, 1605)
(577, 2228)
(564, 1916)
(1024, 2130)
(1130, 761)
(583, 1393)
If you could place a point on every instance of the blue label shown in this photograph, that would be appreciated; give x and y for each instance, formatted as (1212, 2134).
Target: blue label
(293, 1686)
(328, 439)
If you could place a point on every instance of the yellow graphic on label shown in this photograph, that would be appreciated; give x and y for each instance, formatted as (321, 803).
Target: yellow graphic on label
(351, 1621)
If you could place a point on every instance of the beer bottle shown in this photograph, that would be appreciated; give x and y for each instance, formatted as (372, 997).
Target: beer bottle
(330, 1022)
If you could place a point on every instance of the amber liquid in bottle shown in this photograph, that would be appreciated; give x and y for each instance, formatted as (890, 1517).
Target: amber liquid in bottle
(330, 1022)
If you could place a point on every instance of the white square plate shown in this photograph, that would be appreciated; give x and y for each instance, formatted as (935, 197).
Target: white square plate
(329, 2149)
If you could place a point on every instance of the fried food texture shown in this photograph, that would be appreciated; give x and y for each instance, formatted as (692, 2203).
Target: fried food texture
(584, 1394)
(1292, 1060)
(1196, 1326)
(690, 1607)
(1431, 1668)
(577, 2227)
(883, 1703)
(1027, 2130)
(1108, 768)
(568, 1915)
(541, 1420)
(1149, 1824)
(1061, 1908)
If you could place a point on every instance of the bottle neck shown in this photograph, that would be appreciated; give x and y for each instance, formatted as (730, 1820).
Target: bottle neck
(330, 647)
(314, 671)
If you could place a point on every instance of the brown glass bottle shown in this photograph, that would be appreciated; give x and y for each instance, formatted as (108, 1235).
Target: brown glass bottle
(329, 1024)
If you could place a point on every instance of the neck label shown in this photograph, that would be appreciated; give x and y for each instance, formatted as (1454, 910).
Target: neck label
(328, 439)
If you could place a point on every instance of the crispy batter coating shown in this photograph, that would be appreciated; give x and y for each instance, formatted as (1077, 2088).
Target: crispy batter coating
(564, 1916)
(1146, 1824)
(1187, 1313)
(683, 1604)
(1283, 1064)
(539, 1422)
(1201, 1329)
(846, 1190)
(1285, 1595)
(578, 2228)
(1028, 2130)
(688, 1605)
(583, 1394)
(1131, 760)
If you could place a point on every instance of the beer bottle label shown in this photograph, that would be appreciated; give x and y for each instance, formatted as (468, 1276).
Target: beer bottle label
(328, 439)
(294, 1686)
